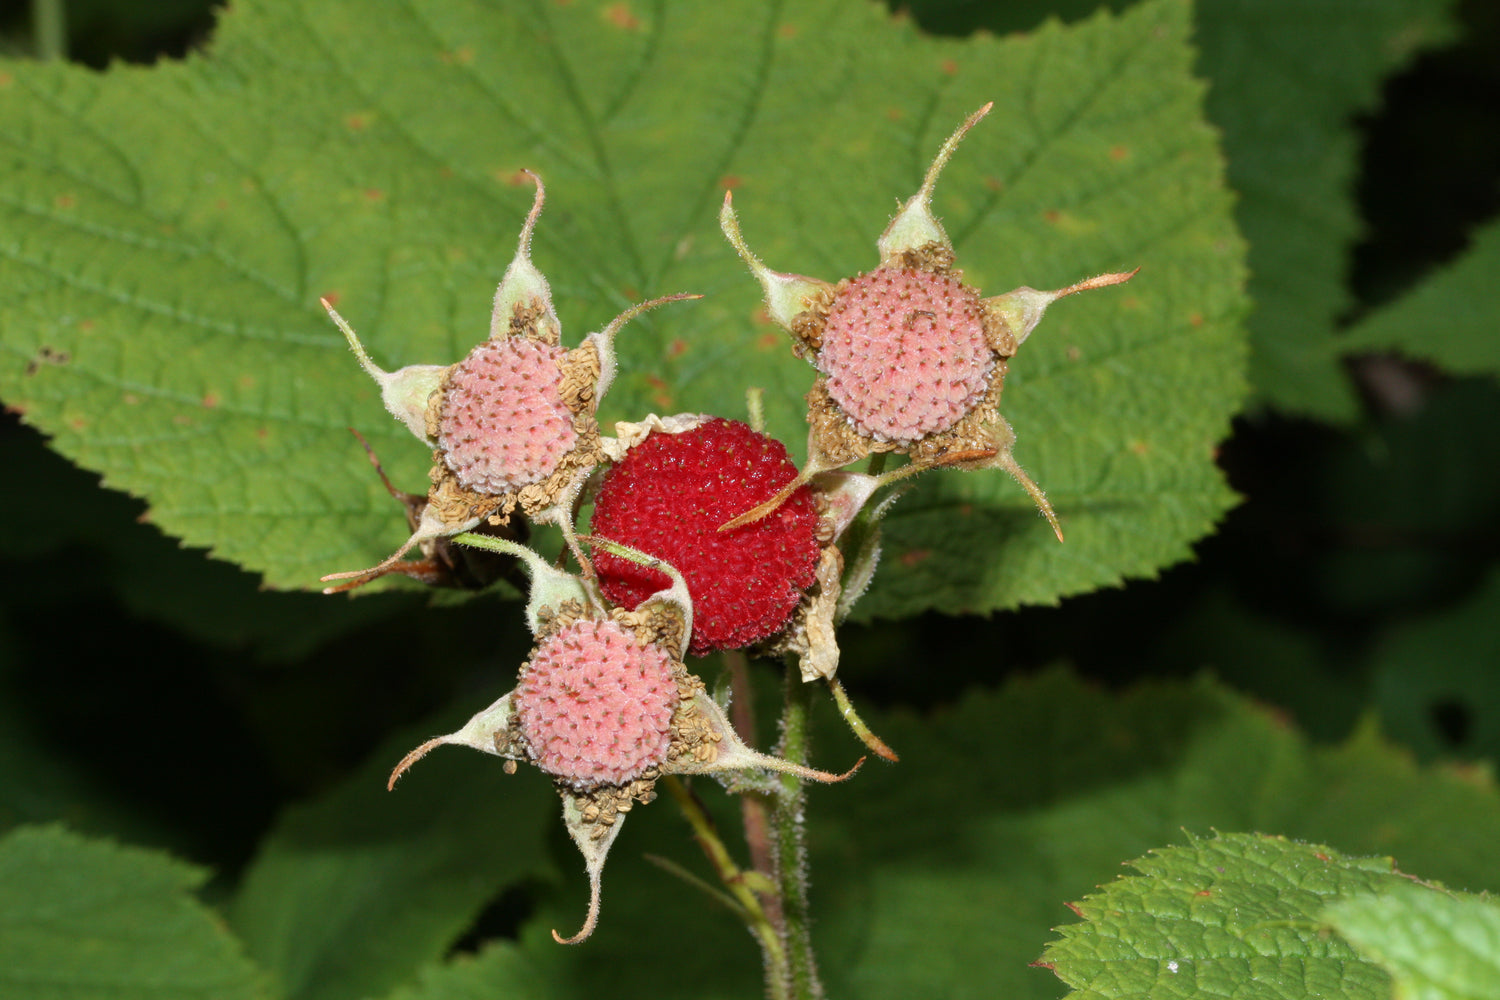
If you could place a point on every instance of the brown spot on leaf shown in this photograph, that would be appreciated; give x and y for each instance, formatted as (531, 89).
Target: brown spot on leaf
(6, 80)
(768, 341)
(994, 184)
(1119, 154)
(1073, 352)
(182, 420)
(332, 298)
(78, 423)
(358, 121)
(374, 194)
(130, 399)
(915, 557)
(621, 16)
(65, 201)
(950, 66)
(262, 433)
(895, 114)
(1195, 319)
(1139, 447)
(788, 30)
(677, 348)
(660, 394)
(210, 401)
(1052, 216)
(245, 381)
(730, 182)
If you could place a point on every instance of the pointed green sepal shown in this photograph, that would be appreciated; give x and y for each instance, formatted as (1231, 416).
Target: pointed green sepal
(429, 528)
(524, 288)
(604, 340)
(407, 393)
(1022, 309)
(484, 732)
(915, 226)
(787, 295)
(732, 753)
(594, 841)
(550, 588)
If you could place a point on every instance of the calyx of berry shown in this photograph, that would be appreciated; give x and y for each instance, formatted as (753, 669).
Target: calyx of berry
(605, 706)
(513, 425)
(911, 359)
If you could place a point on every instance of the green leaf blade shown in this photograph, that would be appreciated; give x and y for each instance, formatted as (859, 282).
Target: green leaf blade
(351, 893)
(84, 918)
(175, 269)
(1435, 945)
(1234, 915)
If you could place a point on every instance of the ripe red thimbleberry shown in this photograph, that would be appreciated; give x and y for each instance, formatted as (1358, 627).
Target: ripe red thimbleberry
(594, 704)
(668, 497)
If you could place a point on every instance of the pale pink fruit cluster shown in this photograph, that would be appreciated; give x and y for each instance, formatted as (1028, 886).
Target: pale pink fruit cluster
(503, 423)
(905, 352)
(595, 704)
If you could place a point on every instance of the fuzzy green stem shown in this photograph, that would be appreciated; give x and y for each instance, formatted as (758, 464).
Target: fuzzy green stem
(753, 809)
(49, 29)
(734, 880)
(789, 843)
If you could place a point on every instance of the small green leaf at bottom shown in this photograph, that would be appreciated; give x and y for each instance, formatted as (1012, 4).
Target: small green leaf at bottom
(1237, 915)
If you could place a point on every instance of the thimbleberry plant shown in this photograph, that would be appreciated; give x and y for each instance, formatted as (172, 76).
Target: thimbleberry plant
(704, 535)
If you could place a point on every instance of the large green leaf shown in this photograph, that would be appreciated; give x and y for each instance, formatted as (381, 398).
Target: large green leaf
(1287, 79)
(158, 295)
(82, 919)
(351, 893)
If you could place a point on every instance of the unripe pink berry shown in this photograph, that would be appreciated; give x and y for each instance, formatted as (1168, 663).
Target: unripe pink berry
(905, 352)
(669, 496)
(503, 423)
(595, 704)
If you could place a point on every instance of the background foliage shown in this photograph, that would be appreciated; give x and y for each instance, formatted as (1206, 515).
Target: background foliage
(1345, 605)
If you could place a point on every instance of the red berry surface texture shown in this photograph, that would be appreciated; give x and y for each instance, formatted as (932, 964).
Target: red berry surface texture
(669, 496)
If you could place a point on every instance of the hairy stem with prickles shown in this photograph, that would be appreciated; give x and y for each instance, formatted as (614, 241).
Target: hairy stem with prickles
(752, 807)
(790, 845)
(749, 904)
